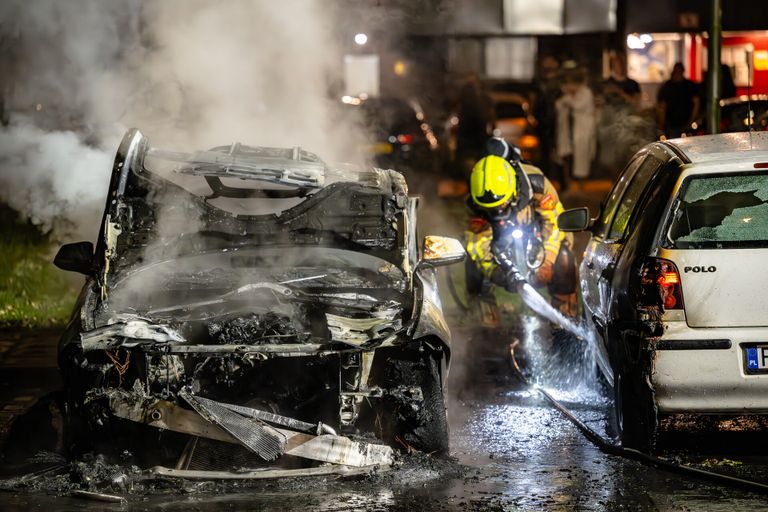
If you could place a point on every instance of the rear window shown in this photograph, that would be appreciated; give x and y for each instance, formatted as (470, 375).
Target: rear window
(721, 211)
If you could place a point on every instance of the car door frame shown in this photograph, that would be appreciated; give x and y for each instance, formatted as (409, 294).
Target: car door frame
(605, 250)
(590, 269)
(635, 247)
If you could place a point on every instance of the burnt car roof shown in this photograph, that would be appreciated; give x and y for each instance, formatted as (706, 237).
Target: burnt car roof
(286, 166)
(289, 167)
(164, 204)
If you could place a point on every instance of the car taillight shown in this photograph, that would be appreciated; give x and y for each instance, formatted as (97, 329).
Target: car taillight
(660, 282)
(405, 138)
(528, 141)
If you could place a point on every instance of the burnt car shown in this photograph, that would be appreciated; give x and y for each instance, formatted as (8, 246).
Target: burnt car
(258, 301)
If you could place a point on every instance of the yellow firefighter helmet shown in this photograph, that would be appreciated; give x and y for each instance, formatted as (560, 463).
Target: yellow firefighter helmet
(493, 182)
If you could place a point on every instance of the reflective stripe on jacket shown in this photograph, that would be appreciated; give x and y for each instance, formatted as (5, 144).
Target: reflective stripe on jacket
(479, 250)
(547, 206)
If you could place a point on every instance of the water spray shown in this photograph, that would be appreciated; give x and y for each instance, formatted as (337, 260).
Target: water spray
(538, 304)
(611, 448)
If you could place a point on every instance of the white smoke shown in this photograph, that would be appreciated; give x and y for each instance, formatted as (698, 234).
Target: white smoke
(190, 74)
(53, 179)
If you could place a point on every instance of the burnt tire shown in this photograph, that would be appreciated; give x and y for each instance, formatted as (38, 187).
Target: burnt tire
(635, 412)
(422, 426)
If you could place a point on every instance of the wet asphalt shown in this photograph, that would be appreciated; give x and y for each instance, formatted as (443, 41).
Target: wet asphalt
(510, 451)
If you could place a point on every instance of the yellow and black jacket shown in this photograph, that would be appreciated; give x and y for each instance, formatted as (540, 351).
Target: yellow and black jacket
(538, 202)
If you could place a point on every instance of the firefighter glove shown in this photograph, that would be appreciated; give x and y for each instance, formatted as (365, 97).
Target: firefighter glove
(544, 274)
(514, 278)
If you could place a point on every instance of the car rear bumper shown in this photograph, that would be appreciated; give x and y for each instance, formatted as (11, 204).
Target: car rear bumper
(702, 371)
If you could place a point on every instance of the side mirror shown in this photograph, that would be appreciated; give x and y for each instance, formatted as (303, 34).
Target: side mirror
(576, 219)
(76, 257)
(441, 250)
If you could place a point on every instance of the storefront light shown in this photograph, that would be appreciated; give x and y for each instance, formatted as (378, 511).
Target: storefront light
(634, 42)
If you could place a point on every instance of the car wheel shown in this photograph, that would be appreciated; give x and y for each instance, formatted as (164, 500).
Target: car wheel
(422, 426)
(636, 419)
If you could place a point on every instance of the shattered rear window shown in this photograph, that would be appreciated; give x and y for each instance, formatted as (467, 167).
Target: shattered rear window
(721, 211)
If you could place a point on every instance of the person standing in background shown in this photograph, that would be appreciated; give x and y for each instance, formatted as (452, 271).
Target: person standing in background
(475, 112)
(576, 129)
(727, 85)
(619, 88)
(542, 98)
(678, 103)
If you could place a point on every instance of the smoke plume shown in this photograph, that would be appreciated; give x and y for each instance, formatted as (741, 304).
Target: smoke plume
(190, 74)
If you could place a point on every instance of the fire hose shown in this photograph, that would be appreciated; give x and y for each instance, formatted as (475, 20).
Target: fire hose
(518, 282)
(455, 293)
(629, 453)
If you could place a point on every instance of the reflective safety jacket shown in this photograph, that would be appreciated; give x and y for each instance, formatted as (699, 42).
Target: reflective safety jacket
(538, 202)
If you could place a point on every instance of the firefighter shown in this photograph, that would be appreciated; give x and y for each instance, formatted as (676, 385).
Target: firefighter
(513, 204)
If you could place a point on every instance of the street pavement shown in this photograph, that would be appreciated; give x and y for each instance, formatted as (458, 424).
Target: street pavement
(512, 452)
(510, 449)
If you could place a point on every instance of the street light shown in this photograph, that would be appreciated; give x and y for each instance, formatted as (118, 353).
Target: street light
(361, 38)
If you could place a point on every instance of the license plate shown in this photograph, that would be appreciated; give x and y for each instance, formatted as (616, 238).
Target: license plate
(757, 358)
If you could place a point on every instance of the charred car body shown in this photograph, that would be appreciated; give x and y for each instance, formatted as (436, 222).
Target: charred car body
(260, 298)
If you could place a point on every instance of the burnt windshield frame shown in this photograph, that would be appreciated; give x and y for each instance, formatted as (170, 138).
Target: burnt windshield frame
(242, 231)
(668, 243)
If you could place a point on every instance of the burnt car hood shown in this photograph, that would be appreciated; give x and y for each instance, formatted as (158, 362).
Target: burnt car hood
(258, 296)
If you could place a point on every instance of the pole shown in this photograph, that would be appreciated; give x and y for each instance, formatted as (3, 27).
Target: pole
(713, 66)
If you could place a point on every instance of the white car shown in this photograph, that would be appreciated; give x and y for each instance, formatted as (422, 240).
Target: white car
(675, 282)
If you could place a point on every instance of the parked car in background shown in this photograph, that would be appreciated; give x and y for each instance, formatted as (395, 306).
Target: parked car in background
(400, 136)
(674, 281)
(249, 295)
(735, 114)
(515, 123)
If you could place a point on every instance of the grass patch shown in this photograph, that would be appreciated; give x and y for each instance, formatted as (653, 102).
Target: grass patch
(33, 293)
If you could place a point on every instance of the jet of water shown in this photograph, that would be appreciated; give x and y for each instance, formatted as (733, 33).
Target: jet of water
(536, 302)
(567, 371)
